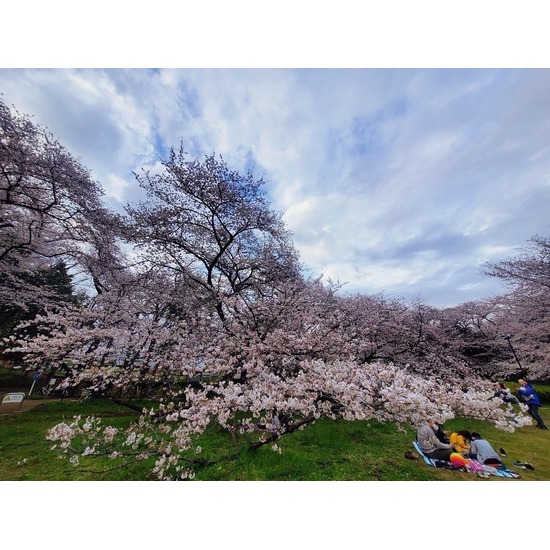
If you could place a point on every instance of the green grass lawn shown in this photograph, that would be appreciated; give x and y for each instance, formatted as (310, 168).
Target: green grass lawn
(327, 450)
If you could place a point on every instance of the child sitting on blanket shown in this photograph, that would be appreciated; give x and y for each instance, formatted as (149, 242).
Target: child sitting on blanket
(460, 441)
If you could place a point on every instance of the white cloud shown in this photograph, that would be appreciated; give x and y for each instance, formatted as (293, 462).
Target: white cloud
(400, 180)
(116, 188)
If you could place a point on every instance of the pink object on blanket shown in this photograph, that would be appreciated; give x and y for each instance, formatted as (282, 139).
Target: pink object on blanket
(474, 466)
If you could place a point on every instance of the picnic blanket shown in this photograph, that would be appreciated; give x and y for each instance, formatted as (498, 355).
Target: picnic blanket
(500, 472)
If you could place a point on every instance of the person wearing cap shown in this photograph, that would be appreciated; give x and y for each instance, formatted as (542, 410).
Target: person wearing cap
(429, 444)
(532, 401)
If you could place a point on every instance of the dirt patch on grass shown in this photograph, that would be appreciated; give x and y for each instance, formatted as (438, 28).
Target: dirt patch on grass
(25, 405)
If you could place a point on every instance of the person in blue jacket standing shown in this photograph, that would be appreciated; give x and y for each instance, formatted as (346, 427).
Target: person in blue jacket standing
(532, 400)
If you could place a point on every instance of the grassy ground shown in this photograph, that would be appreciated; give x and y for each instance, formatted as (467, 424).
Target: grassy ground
(25, 453)
(370, 451)
(328, 450)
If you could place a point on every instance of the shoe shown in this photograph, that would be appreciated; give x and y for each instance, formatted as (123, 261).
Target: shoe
(410, 455)
(519, 464)
(502, 452)
(528, 466)
(543, 427)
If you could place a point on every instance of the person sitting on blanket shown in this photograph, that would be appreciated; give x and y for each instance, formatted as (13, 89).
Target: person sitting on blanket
(482, 451)
(429, 444)
(460, 442)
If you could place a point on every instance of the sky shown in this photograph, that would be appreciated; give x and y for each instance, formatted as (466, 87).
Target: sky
(401, 181)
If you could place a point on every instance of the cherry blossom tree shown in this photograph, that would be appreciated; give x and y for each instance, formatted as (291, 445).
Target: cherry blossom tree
(51, 214)
(274, 367)
(523, 315)
(529, 271)
(214, 287)
(211, 228)
(57, 283)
